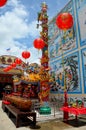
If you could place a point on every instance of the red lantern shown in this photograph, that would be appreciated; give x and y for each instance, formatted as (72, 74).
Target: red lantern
(2, 2)
(39, 43)
(18, 61)
(5, 69)
(13, 65)
(9, 67)
(25, 54)
(64, 21)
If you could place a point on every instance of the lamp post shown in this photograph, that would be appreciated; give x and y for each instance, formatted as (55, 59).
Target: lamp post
(64, 21)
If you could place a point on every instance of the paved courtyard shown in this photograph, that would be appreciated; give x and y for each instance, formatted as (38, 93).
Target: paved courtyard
(44, 122)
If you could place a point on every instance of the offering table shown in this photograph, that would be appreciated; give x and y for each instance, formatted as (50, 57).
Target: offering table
(74, 110)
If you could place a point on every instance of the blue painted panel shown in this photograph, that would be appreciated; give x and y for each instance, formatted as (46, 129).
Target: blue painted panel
(83, 54)
(71, 66)
(63, 41)
(81, 17)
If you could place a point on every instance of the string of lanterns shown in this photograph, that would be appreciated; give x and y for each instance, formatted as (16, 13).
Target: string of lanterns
(18, 61)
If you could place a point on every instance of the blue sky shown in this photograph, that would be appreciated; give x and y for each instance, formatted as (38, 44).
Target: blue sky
(18, 20)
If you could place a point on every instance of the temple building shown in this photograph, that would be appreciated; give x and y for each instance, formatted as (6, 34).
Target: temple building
(6, 78)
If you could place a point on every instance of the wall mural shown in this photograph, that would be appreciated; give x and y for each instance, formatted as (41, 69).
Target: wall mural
(72, 74)
(81, 10)
(63, 40)
(66, 42)
(84, 67)
(72, 100)
(52, 52)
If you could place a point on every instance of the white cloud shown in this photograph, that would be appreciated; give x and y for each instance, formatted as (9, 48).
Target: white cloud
(14, 3)
(35, 55)
(33, 31)
(13, 25)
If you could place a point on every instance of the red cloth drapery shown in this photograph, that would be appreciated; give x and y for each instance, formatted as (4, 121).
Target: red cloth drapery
(72, 110)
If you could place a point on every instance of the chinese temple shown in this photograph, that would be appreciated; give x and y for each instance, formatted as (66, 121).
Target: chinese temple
(15, 74)
(56, 87)
(6, 77)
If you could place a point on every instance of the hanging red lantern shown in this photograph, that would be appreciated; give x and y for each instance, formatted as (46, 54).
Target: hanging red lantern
(18, 61)
(39, 43)
(5, 69)
(13, 65)
(64, 21)
(9, 67)
(2, 2)
(25, 54)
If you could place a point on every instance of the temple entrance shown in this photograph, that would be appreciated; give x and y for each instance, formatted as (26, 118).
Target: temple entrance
(5, 80)
(3, 88)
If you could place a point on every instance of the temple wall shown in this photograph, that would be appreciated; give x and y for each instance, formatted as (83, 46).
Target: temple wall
(69, 47)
